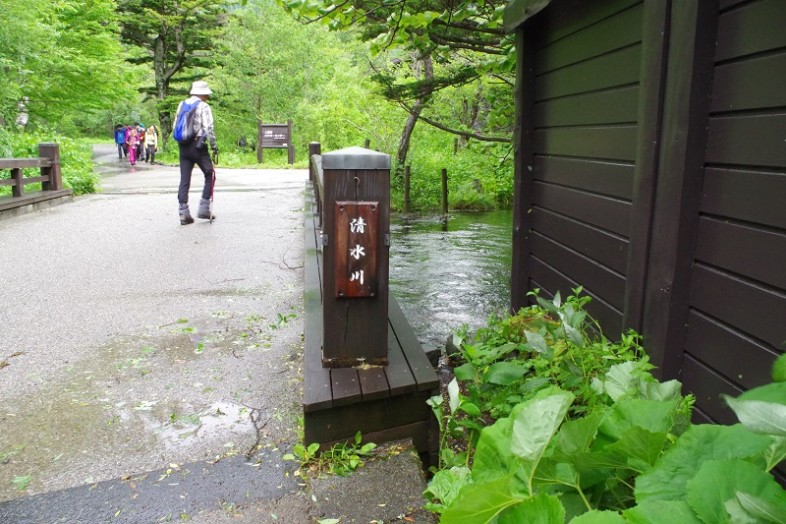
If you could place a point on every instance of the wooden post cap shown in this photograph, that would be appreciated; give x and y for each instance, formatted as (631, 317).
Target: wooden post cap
(355, 158)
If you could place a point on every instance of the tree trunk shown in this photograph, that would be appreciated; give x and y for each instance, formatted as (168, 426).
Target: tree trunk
(471, 114)
(422, 66)
(162, 87)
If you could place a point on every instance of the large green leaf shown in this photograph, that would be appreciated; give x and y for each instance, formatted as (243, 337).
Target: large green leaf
(524, 434)
(758, 507)
(638, 448)
(599, 517)
(447, 483)
(551, 472)
(505, 373)
(465, 372)
(538, 343)
(454, 395)
(762, 409)
(577, 435)
(661, 390)
(534, 426)
(779, 369)
(668, 478)
(655, 416)
(540, 509)
(620, 379)
(775, 392)
(480, 502)
(719, 481)
(776, 452)
(661, 512)
(493, 458)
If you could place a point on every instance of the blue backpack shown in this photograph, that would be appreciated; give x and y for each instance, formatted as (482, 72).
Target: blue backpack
(184, 132)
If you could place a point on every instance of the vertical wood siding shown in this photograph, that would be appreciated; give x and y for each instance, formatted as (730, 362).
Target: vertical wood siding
(737, 315)
(585, 92)
(651, 169)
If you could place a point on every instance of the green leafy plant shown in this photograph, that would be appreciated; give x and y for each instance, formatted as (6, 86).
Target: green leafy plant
(636, 459)
(281, 320)
(304, 454)
(457, 420)
(341, 459)
(549, 343)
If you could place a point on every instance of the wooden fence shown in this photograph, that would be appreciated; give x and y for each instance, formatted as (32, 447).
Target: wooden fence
(50, 179)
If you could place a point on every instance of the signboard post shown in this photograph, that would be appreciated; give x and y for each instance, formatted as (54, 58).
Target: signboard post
(276, 136)
(355, 247)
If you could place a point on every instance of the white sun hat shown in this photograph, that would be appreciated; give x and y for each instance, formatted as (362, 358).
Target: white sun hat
(200, 88)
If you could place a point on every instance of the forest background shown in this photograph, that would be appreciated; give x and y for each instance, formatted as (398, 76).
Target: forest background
(427, 82)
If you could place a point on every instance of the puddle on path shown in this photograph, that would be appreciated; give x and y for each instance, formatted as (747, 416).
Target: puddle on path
(185, 391)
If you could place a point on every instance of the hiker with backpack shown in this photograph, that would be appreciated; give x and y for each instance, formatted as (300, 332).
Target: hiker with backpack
(193, 132)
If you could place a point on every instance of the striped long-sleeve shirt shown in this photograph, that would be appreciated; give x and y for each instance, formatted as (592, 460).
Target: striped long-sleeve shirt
(203, 120)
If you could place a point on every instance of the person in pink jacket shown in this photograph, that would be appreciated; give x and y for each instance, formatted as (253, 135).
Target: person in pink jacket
(133, 142)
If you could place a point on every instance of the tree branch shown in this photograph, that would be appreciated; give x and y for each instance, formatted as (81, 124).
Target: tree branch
(458, 132)
(487, 47)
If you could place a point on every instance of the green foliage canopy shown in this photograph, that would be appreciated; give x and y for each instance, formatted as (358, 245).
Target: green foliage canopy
(464, 39)
(177, 38)
(59, 60)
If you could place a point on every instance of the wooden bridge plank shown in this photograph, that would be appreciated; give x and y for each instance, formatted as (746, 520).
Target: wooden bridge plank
(397, 371)
(373, 383)
(419, 365)
(317, 392)
(346, 386)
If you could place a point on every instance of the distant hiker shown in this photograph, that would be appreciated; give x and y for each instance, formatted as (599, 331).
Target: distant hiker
(120, 141)
(194, 132)
(151, 144)
(133, 142)
(128, 133)
(140, 146)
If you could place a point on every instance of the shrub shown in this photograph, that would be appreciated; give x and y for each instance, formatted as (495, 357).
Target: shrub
(560, 425)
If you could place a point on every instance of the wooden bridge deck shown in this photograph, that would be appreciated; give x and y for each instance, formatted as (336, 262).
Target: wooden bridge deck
(382, 402)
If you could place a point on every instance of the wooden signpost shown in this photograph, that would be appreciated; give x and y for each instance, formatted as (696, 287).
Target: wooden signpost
(276, 136)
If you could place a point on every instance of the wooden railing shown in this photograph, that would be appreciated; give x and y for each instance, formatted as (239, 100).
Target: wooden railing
(50, 178)
(316, 175)
(364, 368)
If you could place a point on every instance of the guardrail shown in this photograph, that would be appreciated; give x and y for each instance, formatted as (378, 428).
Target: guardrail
(50, 178)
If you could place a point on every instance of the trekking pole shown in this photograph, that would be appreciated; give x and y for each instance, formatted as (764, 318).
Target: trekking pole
(213, 183)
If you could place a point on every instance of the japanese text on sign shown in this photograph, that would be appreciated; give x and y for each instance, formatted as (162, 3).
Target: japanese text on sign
(356, 226)
(274, 135)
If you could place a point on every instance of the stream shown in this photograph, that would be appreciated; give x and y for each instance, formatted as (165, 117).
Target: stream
(446, 273)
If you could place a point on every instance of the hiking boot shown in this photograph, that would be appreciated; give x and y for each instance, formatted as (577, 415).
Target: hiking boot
(185, 215)
(204, 209)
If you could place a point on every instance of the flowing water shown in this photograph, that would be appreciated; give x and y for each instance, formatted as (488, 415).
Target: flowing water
(446, 273)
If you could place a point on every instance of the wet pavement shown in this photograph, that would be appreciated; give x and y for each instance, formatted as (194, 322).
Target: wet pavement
(152, 372)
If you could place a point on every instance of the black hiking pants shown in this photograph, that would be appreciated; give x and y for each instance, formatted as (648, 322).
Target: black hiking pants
(191, 155)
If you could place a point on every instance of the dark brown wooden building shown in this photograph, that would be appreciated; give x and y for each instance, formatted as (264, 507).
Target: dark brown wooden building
(651, 169)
